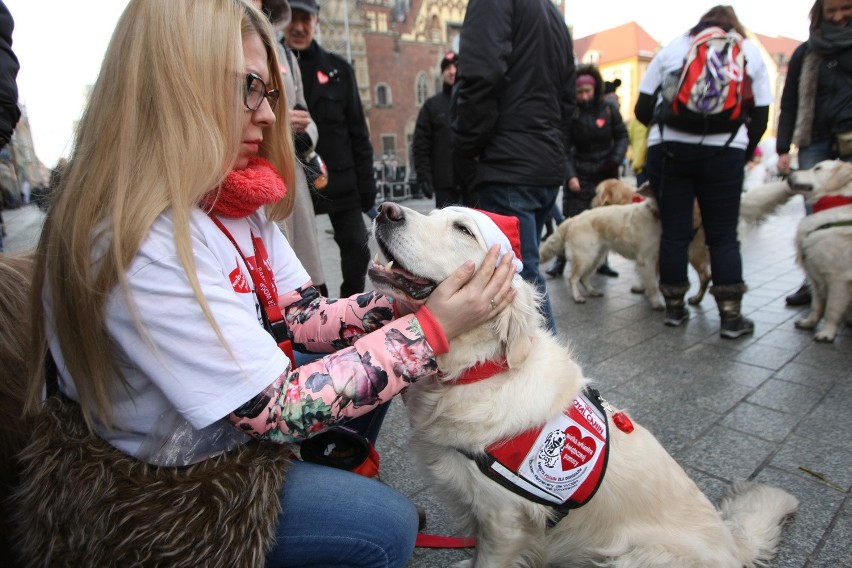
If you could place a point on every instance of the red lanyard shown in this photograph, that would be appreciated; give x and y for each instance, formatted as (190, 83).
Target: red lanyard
(265, 290)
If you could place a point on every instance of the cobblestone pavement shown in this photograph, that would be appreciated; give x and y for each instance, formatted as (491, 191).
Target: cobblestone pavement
(773, 408)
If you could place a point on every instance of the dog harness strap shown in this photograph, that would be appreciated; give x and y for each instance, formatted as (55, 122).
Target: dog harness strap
(560, 464)
(265, 290)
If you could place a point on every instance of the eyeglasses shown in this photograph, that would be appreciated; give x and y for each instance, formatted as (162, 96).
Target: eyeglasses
(256, 91)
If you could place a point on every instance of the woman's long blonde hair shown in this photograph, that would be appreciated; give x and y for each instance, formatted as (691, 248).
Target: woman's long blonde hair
(162, 128)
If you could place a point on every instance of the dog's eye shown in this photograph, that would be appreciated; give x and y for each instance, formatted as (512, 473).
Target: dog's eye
(462, 229)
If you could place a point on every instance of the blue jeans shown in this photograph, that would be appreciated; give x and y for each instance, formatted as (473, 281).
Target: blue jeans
(334, 518)
(811, 155)
(531, 205)
(680, 173)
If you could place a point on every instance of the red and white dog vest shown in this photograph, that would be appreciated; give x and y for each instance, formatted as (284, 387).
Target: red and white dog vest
(560, 464)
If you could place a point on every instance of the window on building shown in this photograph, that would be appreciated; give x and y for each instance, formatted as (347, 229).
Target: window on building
(383, 95)
(592, 57)
(389, 145)
(422, 89)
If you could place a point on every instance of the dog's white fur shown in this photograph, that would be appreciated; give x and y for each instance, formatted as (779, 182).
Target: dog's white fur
(647, 512)
(633, 231)
(823, 252)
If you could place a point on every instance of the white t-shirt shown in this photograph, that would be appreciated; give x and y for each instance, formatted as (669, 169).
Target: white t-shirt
(190, 377)
(670, 59)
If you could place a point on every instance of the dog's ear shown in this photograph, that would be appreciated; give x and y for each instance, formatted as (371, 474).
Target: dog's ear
(840, 178)
(518, 322)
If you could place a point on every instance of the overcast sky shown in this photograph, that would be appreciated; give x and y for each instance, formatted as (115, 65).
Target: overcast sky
(60, 45)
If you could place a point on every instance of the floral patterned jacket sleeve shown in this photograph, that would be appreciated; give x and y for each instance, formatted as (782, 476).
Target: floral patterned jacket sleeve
(323, 325)
(382, 358)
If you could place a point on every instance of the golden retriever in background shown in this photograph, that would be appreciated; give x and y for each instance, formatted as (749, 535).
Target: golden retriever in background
(595, 232)
(613, 192)
(617, 192)
(824, 244)
(632, 230)
(646, 512)
(15, 276)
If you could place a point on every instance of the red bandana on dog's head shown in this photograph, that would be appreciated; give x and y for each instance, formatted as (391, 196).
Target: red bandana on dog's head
(497, 229)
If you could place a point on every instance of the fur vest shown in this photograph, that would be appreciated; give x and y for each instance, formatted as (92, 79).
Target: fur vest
(81, 502)
(807, 98)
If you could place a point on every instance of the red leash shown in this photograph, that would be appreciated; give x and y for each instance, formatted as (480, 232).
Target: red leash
(438, 541)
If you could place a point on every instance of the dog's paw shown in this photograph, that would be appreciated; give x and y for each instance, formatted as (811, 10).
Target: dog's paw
(695, 300)
(805, 323)
(825, 336)
(580, 299)
(637, 289)
(658, 307)
(595, 293)
(463, 564)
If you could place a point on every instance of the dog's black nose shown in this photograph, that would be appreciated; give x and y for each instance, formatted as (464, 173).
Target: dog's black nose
(390, 211)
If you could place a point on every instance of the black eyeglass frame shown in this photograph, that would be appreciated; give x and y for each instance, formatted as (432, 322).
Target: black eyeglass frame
(271, 95)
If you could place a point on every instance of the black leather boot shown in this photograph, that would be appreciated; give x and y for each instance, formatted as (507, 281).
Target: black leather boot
(558, 267)
(729, 301)
(801, 297)
(676, 312)
(607, 270)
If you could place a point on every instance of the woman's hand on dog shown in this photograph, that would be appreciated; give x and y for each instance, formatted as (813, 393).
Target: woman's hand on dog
(468, 299)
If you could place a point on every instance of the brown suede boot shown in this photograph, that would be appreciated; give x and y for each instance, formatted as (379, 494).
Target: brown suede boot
(729, 300)
(676, 312)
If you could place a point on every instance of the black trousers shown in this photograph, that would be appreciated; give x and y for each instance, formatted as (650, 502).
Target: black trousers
(350, 234)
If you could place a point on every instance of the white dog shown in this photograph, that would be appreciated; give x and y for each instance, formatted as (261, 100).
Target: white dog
(824, 243)
(633, 230)
(645, 511)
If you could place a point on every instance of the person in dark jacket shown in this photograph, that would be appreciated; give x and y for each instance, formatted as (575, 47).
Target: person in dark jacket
(344, 143)
(512, 106)
(816, 104)
(9, 111)
(599, 144)
(432, 145)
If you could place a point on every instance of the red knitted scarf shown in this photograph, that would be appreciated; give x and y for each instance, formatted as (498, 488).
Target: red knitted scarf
(244, 191)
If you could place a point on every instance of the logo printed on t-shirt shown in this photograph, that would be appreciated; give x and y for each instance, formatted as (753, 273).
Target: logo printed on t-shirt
(239, 280)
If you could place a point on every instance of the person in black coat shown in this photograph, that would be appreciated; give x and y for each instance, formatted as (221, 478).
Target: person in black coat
(599, 144)
(344, 143)
(512, 106)
(432, 144)
(9, 111)
(816, 104)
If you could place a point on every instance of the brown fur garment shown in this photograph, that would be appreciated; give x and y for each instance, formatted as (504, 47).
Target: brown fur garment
(81, 502)
(15, 275)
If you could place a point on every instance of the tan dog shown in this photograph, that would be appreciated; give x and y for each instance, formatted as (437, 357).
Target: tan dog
(616, 192)
(633, 230)
(646, 511)
(824, 244)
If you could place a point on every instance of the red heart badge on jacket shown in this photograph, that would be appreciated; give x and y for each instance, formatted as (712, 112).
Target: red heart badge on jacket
(322, 78)
(600, 122)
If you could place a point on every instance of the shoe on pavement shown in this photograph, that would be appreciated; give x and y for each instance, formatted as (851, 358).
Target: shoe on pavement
(800, 297)
(607, 270)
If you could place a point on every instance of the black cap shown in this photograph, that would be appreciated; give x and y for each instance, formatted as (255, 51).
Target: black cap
(450, 58)
(611, 86)
(309, 6)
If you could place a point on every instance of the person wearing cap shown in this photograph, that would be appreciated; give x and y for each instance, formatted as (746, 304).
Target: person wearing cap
(432, 144)
(301, 226)
(331, 92)
(512, 105)
(599, 144)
